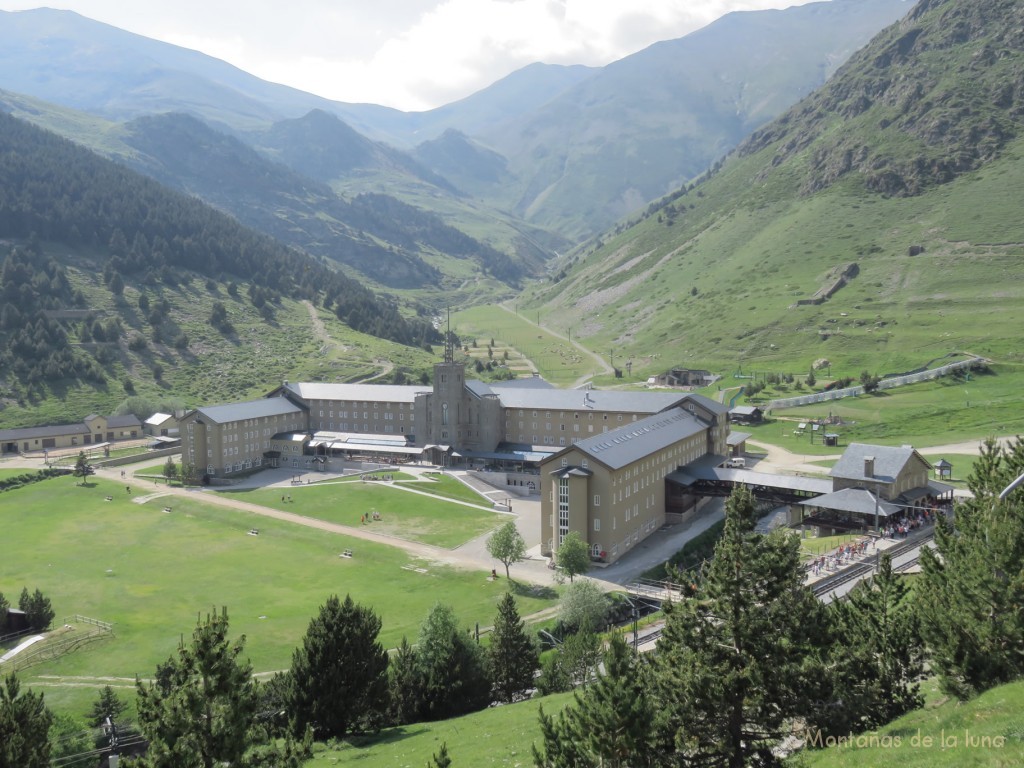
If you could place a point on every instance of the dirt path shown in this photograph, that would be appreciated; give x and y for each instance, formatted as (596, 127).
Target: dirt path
(321, 335)
(605, 367)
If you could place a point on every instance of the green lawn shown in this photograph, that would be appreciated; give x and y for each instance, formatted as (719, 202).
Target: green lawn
(449, 487)
(932, 413)
(500, 736)
(152, 574)
(986, 732)
(404, 514)
(557, 360)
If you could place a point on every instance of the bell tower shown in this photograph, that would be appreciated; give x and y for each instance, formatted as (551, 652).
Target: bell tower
(448, 409)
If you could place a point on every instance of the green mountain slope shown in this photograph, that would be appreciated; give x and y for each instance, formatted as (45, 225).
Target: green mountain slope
(716, 272)
(111, 282)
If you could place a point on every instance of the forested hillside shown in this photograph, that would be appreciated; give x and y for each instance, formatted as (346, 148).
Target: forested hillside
(137, 232)
(390, 242)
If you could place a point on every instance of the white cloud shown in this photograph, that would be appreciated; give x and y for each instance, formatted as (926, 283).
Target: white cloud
(410, 54)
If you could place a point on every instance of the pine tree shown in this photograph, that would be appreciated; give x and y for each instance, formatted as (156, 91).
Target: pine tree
(199, 711)
(38, 611)
(877, 655)
(971, 600)
(339, 673)
(405, 688)
(512, 655)
(441, 759)
(107, 704)
(609, 723)
(24, 727)
(451, 668)
(735, 662)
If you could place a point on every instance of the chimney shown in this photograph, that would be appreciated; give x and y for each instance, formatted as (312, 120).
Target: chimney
(869, 466)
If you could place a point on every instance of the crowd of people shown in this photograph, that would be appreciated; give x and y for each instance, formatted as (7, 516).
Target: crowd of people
(897, 527)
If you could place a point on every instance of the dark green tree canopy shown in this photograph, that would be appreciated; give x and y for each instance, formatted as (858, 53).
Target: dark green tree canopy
(971, 600)
(738, 661)
(512, 656)
(199, 711)
(451, 668)
(24, 727)
(339, 673)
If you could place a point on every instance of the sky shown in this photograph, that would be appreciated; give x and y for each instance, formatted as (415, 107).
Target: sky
(408, 54)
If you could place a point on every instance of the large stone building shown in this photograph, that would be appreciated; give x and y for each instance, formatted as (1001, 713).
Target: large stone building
(619, 442)
(611, 487)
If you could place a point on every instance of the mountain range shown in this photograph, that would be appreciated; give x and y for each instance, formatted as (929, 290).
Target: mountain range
(874, 224)
(568, 149)
(867, 224)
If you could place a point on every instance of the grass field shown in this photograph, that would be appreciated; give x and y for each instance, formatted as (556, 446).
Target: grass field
(558, 361)
(986, 732)
(152, 573)
(496, 737)
(404, 514)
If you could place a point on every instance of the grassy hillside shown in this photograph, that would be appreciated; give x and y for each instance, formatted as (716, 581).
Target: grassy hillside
(712, 275)
(500, 736)
(986, 732)
(150, 573)
(717, 284)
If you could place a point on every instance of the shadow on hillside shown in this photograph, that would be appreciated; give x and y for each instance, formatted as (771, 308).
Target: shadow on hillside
(532, 590)
(390, 736)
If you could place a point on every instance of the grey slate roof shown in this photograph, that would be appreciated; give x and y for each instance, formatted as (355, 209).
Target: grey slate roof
(128, 420)
(735, 438)
(252, 409)
(889, 462)
(366, 393)
(31, 433)
(620, 447)
(599, 400)
(856, 500)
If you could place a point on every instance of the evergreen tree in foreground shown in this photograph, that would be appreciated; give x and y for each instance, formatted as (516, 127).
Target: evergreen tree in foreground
(609, 723)
(339, 674)
(877, 655)
(738, 661)
(199, 711)
(971, 600)
(512, 655)
(450, 667)
(24, 726)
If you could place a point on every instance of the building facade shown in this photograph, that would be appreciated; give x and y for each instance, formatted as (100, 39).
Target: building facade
(611, 488)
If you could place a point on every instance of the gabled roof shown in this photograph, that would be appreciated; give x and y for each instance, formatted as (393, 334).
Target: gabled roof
(128, 420)
(856, 500)
(32, 433)
(620, 447)
(889, 462)
(158, 418)
(252, 409)
(601, 401)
